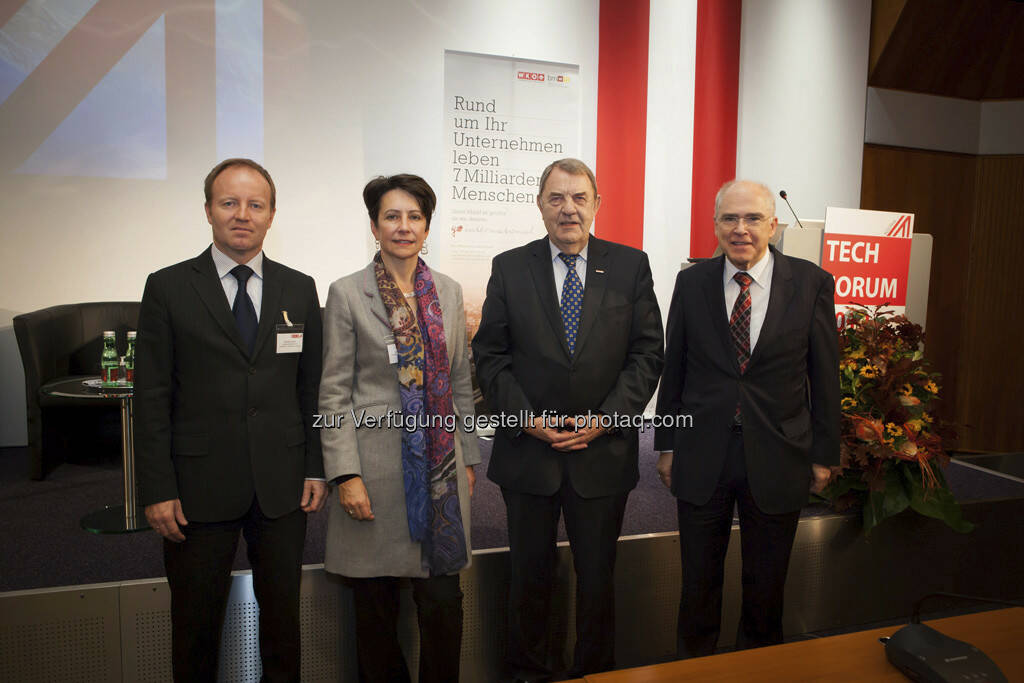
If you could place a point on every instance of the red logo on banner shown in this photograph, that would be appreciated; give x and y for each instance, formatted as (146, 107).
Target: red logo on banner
(529, 76)
(901, 228)
(870, 270)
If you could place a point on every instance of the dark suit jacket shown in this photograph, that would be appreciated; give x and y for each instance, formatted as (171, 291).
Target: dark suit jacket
(523, 364)
(789, 395)
(212, 425)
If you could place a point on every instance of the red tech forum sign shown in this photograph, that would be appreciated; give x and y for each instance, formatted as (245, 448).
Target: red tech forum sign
(868, 253)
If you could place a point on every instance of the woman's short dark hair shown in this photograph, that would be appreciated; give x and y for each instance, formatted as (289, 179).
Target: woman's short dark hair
(413, 184)
(229, 163)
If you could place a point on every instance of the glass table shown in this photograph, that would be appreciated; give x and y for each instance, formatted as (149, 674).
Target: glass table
(113, 519)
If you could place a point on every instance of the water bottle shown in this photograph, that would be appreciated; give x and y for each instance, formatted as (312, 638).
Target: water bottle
(129, 360)
(110, 362)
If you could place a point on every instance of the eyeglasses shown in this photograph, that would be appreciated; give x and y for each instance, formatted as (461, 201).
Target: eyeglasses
(731, 220)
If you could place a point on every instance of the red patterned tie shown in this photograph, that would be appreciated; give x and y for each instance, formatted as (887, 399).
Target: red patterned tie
(739, 321)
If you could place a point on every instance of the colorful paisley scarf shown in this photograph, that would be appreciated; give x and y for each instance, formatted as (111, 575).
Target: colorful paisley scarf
(428, 451)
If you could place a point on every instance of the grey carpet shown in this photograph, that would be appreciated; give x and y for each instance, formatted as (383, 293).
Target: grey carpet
(42, 544)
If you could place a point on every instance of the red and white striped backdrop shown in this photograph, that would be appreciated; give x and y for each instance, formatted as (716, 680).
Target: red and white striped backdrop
(668, 89)
(629, 64)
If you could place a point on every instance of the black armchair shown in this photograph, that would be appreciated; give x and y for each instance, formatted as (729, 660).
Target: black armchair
(60, 342)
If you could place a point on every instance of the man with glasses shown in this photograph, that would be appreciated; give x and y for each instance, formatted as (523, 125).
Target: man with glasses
(752, 355)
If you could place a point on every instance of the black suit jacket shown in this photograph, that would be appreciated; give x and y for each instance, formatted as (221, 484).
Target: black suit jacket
(212, 425)
(523, 364)
(789, 395)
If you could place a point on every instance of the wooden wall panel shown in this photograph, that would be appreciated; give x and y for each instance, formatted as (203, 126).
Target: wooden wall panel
(974, 208)
(992, 365)
(937, 187)
(884, 16)
(955, 48)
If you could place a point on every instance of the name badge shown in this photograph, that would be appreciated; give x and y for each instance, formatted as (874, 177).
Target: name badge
(389, 342)
(289, 338)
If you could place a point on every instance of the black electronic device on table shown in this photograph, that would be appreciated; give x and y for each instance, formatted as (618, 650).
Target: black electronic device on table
(923, 654)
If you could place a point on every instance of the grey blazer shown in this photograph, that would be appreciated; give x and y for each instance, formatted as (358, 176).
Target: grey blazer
(358, 376)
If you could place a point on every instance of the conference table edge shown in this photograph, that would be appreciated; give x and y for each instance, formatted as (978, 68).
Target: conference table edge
(848, 657)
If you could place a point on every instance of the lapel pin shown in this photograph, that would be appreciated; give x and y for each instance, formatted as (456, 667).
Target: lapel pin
(598, 270)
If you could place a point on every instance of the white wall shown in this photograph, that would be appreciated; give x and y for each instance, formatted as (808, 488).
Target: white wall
(803, 78)
(909, 119)
(362, 96)
(371, 104)
(948, 124)
(669, 159)
(377, 107)
(1002, 127)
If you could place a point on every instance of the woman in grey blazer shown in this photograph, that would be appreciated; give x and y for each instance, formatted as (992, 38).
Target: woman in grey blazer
(398, 441)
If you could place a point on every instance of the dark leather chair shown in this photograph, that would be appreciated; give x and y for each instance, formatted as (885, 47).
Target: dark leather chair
(57, 343)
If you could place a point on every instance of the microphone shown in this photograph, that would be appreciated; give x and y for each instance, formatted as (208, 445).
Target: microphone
(782, 193)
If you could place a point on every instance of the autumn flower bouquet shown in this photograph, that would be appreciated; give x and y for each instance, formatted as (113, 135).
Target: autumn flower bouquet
(891, 454)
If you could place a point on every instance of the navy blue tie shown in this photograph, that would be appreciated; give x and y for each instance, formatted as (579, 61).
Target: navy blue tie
(244, 311)
(571, 305)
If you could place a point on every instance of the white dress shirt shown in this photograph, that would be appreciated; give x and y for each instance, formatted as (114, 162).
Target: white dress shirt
(760, 289)
(561, 270)
(254, 286)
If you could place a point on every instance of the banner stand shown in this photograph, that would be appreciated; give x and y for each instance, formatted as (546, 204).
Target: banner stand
(806, 243)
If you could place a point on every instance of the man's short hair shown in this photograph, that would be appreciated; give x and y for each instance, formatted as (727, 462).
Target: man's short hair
(764, 188)
(570, 166)
(413, 184)
(228, 163)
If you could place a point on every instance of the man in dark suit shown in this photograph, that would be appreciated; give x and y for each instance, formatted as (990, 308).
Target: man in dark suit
(570, 326)
(228, 368)
(752, 356)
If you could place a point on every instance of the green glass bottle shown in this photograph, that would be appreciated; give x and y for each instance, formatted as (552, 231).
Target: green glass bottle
(129, 360)
(110, 362)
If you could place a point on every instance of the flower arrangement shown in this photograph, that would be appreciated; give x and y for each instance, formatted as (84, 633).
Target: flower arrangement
(891, 454)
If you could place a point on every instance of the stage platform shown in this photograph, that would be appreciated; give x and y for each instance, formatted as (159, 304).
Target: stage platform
(95, 608)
